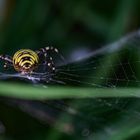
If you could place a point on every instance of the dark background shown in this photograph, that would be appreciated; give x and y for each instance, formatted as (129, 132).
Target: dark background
(66, 25)
(83, 25)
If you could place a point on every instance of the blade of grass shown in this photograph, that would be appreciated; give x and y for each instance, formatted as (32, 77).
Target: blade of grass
(38, 93)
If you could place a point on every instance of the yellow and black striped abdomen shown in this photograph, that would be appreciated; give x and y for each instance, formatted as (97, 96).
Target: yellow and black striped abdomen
(25, 60)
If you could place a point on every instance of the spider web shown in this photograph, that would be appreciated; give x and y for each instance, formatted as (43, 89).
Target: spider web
(111, 66)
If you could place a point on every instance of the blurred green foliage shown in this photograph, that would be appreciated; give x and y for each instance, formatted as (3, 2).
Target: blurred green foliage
(68, 25)
(34, 24)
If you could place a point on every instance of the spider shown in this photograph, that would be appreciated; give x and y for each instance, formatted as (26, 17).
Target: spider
(26, 61)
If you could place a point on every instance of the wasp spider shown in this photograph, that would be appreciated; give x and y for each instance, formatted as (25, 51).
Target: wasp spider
(26, 61)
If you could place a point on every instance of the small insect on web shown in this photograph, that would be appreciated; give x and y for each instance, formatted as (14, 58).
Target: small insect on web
(35, 66)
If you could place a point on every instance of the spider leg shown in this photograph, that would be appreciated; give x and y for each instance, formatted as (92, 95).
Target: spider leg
(47, 61)
(49, 65)
(7, 60)
(51, 49)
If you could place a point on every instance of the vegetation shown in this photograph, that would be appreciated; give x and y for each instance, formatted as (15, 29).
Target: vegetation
(92, 108)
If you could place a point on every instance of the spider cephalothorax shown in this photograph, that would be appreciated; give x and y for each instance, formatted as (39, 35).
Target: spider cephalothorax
(26, 61)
